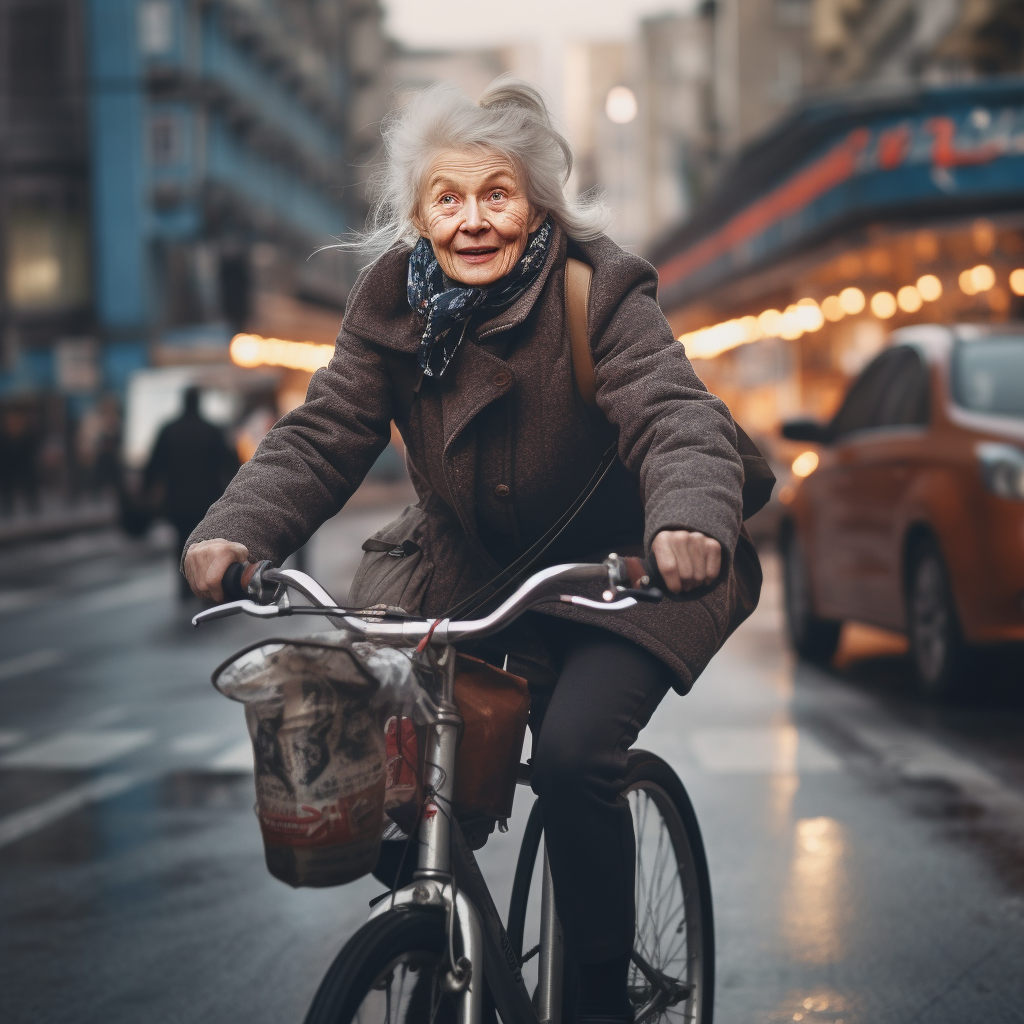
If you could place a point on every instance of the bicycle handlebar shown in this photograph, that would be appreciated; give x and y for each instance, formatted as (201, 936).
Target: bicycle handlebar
(265, 583)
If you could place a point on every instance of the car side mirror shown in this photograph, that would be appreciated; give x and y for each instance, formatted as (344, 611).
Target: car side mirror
(806, 430)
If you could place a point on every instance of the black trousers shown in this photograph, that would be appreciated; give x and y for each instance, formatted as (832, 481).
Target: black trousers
(591, 693)
(606, 691)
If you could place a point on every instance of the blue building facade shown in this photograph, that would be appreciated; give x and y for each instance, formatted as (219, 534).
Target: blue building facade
(210, 166)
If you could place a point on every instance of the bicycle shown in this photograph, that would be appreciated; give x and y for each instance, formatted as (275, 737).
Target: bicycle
(436, 949)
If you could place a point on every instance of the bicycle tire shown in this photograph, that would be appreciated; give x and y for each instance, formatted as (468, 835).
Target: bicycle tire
(648, 774)
(362, 976)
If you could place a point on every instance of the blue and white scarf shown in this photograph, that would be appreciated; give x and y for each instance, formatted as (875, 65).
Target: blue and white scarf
(448, 305)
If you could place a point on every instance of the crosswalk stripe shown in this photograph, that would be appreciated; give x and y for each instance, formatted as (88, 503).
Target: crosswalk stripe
(235, 759)
(33, 661)
(31, 819)
(149, 588)
(10, 738)
(78, 750)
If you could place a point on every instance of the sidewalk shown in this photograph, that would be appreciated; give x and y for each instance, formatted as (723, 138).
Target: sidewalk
(58, 520)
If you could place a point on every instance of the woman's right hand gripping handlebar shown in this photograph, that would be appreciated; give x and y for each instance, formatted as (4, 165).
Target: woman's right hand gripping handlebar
(207, 561)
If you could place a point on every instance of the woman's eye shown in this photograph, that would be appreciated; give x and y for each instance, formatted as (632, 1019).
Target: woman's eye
(446, 200)
(497, 197)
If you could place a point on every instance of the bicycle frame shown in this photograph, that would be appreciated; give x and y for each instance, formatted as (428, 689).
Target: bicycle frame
(447, 877)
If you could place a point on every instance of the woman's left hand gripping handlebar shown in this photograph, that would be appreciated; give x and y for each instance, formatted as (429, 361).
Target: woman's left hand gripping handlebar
(206, 562)
(687, 559)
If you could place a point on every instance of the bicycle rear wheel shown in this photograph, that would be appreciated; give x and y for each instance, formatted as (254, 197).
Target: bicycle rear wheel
(675, 924)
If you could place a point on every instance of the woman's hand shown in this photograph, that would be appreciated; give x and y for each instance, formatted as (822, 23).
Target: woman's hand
(207, 561)
(686, 559)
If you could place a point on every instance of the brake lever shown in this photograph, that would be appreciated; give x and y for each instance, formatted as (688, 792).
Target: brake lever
(245, 607)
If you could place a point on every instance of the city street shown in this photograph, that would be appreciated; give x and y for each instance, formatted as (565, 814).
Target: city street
(866, 850)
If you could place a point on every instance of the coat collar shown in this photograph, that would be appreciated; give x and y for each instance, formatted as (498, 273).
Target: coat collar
(378, 307)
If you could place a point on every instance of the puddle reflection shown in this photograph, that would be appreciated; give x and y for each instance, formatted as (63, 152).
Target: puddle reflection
(813, 899)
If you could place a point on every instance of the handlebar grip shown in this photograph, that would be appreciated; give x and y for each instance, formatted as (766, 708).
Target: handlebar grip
(231, 582)
(654, 574)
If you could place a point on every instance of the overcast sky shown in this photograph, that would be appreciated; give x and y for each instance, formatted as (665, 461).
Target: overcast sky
(458, 24)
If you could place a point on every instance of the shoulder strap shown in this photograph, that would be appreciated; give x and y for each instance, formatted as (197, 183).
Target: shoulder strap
(577, 302)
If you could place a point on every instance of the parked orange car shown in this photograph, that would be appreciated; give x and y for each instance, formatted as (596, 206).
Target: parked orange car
(910, 514)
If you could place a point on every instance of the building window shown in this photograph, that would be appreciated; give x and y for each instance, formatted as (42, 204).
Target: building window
(46, 255)
(156, 27)
(35, 58)
(165, 140)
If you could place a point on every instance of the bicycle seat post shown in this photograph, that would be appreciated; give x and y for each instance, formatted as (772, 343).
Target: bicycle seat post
(442, 739)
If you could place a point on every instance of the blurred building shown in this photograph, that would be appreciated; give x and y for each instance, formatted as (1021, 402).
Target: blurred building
(895, 41)
(169, 166)
(855, 215)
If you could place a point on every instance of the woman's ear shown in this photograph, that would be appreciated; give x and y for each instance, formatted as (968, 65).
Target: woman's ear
(537, 219)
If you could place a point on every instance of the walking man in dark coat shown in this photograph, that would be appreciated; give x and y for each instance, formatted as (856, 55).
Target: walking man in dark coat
(190, 466)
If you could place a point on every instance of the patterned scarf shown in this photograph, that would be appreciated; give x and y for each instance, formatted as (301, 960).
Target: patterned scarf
(447, 305)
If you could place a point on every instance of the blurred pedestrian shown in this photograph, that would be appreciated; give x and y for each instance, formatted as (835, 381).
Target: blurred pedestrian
(97, 441)
(19, 460)
(190, 466)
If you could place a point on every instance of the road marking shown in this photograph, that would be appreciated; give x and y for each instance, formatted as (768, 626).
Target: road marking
(23, 823)
(149, 588)
(78, 750)
(34, 661)
(197, 743)
(9, 738)
(779, 750)
(14, 601)
(235, 759)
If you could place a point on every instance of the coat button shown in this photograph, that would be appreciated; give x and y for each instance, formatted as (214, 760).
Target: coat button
(502, 490)
(501, 378)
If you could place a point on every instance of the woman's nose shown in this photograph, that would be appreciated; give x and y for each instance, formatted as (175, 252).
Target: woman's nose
(473, 219)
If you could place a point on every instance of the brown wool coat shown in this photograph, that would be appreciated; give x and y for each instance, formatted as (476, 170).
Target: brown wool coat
(503, 444)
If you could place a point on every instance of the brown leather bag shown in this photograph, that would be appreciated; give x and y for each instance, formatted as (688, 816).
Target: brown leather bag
(494, 706)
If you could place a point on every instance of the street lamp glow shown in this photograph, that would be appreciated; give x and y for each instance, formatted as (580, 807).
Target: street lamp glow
(621, 106)
(908, 298)
(930, 287)
(1017, 281)
(832, 309)
(883, 305)
(978, 279)
(852, 300)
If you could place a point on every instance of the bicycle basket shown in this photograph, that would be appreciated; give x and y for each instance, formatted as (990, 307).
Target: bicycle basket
(319, 755)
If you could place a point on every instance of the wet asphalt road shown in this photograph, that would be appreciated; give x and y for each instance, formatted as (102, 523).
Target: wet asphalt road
(867, 851)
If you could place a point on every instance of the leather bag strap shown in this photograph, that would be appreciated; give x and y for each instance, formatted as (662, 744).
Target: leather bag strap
(577, 305)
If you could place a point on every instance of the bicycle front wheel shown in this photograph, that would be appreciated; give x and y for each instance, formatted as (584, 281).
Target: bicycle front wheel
(389, 972)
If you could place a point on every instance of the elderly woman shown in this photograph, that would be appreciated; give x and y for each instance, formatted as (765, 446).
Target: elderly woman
(458, 333)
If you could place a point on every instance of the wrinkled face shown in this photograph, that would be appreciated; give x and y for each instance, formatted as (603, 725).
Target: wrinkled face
(476, 215)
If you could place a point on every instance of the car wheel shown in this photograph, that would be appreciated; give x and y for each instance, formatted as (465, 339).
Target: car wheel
(812, 638)
(937, 649)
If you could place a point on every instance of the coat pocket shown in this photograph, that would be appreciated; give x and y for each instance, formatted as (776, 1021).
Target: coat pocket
(395, 569)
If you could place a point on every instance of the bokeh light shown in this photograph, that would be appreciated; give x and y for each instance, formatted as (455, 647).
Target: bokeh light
(883, 305)
(1017, 281)
(852, 300)
(805, 463)
(908, 298)
(621, 106)
(929, 287)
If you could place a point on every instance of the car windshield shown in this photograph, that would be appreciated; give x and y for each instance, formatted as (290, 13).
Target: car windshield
(988, 375)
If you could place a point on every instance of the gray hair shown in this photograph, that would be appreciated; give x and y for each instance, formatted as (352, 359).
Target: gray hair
(511, 118)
